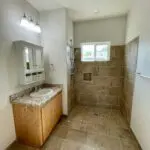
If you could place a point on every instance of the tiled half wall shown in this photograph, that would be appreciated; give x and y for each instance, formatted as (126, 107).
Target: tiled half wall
(131, 53)
(105, 84)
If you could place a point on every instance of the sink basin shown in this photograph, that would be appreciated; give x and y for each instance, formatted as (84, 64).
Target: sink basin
(41, 93)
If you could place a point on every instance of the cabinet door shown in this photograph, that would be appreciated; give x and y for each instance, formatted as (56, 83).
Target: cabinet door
(48, 119)
(51, 114)
(28, 124)
(58, 108)
(38, 58)
(28, 61)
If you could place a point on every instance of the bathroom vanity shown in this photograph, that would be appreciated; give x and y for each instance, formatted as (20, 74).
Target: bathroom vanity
(35, 113)
(35, 118)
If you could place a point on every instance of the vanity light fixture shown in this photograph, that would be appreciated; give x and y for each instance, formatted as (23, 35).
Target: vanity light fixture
(30, 25)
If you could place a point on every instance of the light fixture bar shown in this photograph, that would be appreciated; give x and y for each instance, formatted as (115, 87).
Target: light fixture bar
(30, 25)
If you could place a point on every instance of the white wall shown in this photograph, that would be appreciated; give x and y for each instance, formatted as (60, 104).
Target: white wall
(54, 39)
(11, 12)
(139, 25)
(110, 29)
(70, 51)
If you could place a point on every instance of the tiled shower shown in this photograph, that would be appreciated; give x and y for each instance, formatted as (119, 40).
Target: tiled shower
(107, 84)
(105, 87)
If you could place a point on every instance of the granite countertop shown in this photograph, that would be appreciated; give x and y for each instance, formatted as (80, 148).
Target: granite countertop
(28, 100)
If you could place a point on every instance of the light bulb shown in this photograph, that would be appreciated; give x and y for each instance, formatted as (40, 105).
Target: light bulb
(31, 25)
(24, 22)
(37, 28)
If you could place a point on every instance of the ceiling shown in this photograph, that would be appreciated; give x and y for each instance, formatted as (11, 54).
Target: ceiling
(85, 9)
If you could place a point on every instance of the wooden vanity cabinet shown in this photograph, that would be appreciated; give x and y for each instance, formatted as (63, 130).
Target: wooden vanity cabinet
(34, 124)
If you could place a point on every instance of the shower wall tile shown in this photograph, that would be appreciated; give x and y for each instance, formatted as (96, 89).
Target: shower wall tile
(106, 87)
(131, 53)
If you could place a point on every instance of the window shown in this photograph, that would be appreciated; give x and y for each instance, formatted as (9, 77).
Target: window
(95, 52)
(88, 52)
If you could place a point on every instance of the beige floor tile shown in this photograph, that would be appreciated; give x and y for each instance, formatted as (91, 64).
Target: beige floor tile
(70, 145)
(60, 131)
(77, 117)
(108, 143)
(120, 133)
(17, 146)
(92, 139)
(89, 128)
(65, 122)
(129, 145)
(100, 148)
(92, 119)
(86, 147)
(77, 136)
(122, 123)
(83, 127)
(53, 143)
(111, 123)
(97, 128)
(76, 125)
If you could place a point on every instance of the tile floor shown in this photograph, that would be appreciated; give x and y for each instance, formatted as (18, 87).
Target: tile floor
(89, 128)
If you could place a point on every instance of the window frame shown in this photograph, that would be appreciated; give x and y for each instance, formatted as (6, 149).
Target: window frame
(95, 44)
